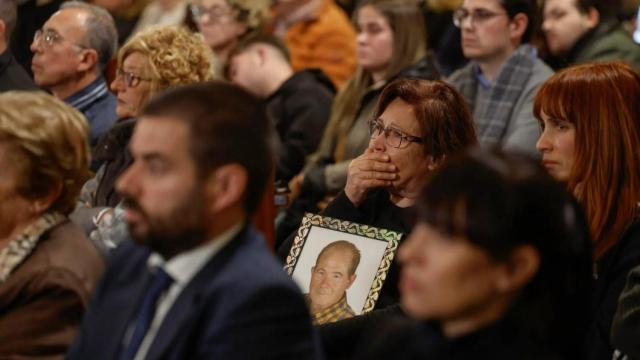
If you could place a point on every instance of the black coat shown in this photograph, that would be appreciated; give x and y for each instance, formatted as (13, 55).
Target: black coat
(300, 110)
(12, 75)
(612, 270)
(404, 339)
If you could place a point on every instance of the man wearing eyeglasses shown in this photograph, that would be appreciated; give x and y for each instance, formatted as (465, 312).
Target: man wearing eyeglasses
(69, 54)
(12, 75)
(504, 73)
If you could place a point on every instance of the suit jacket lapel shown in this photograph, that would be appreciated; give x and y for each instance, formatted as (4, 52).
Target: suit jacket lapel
(187, 306)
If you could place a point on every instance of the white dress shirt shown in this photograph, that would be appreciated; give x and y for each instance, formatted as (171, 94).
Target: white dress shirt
(182, 268)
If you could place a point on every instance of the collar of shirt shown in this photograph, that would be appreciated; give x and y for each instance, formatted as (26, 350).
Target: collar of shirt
(183, 267)
(486, 83)
(82, 99)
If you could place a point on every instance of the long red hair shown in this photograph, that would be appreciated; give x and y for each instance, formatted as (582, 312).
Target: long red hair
(602, 100)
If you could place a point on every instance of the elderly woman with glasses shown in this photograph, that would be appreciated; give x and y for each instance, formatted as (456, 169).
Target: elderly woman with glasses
(48, 268)
(151, 61)
(416, 125)
(224, 22)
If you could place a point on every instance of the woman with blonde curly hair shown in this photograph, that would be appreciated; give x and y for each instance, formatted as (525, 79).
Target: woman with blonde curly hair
(224, 22)
(150, 62)
(47, 267)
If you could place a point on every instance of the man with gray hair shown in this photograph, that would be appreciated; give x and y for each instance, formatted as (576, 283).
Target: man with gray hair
(12, 75)
(69, 54)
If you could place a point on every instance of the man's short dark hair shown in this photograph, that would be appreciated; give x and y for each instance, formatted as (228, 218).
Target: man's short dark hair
(227, 125)
(259, 38)
(526, 7)
(8, 14)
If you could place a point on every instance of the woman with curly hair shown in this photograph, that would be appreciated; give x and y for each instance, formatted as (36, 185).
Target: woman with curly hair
(150, 62)
(224, 22)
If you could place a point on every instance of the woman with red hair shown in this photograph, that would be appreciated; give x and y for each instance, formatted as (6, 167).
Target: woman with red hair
(590, 115)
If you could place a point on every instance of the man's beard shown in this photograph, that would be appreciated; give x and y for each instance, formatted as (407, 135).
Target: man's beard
(183, 229)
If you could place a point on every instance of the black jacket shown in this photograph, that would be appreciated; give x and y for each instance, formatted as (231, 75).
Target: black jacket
(300, 110)
(12, 75)
(612, 270)
(404, 339)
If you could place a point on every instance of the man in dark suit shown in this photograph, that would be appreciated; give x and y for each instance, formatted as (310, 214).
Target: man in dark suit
(198, 282)
(12, 75)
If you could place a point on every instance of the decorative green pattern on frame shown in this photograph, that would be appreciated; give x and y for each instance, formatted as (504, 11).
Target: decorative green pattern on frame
(391, 237)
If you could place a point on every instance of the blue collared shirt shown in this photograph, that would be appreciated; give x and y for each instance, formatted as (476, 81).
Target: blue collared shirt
(98, 105)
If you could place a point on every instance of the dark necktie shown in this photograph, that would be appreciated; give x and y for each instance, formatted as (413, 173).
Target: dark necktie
(160, 282)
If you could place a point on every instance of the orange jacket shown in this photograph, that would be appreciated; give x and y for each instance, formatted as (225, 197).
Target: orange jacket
(327, 42)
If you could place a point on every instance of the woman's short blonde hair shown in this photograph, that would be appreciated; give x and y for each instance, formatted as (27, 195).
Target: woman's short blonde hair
(49, 146)
(175, 56)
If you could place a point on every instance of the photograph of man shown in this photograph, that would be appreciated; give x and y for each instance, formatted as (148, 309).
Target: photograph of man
(331, 276)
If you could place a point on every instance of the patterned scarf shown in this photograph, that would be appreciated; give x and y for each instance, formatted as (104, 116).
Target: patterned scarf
(19, 249)
(493, 117)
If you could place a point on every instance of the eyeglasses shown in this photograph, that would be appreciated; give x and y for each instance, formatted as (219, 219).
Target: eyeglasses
(214, 12)
(50, 37)
(130, 79)
(393, 137)
(478, 16)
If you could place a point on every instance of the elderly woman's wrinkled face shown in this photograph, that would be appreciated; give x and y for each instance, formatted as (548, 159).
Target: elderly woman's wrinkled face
(15, 210)
(132, 85)
(409, 158)
(217, 23)
(446, 278)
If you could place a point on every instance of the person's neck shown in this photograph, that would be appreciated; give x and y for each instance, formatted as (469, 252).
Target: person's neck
(491, 66)
(378, 76)
(279, 75)
(3, 47)
(224, 220)
(403, 199)
(222, 52)
(63, 91)
(469, 323)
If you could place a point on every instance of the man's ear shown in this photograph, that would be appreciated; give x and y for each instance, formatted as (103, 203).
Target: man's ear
(352, 279)
(592, 17)
(518, 26)
(89, 60)
(225, 187)
(520, 268)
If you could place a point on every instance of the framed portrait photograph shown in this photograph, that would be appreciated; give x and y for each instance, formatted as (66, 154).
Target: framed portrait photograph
(340, 266)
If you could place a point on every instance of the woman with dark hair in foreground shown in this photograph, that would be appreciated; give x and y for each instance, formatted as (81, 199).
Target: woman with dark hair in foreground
(497, 266)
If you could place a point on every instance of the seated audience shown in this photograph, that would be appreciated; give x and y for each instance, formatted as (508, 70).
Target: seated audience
(319, 35)
(299, 103)
(626, 322)
(391, 45)
(332, 275)
(12, 75)
(48, 268)
(223, 23)
(150, 62)
(590, 116)
(580, 31)
(198, 282)
(504, 72)
(69, 54)
(497, 266)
